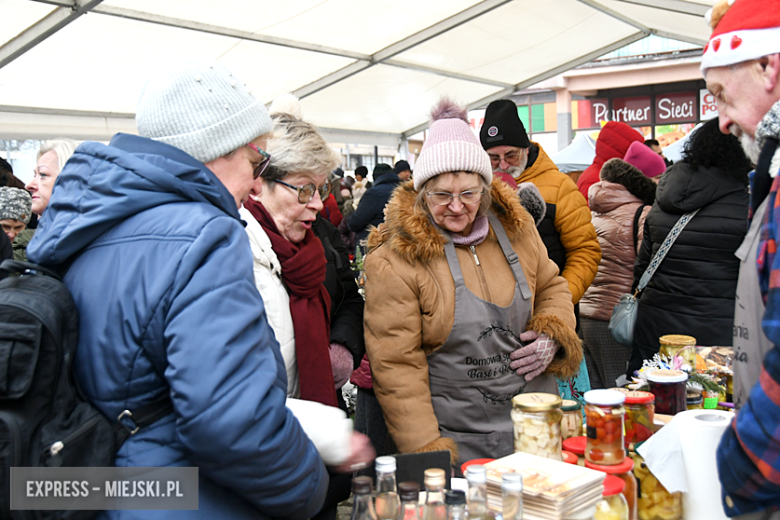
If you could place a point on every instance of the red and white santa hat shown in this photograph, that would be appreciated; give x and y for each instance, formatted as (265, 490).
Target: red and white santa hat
(743, 30)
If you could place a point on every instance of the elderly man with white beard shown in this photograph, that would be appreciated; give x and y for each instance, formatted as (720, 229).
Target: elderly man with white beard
(566, 229)
(741, 64)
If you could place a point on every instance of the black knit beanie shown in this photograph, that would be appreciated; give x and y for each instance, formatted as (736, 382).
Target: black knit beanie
(502, 126)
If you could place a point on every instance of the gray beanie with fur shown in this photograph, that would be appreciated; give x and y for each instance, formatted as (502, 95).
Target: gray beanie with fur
(201, 109)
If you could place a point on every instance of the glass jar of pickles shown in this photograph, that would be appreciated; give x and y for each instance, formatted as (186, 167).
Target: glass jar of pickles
(671, 344)
(571, 424)
(640, 411)
(668, 387)
(623, 471)
(612, 505)
(655, 502)
(537, 424)
(694, 400)
(604, 415)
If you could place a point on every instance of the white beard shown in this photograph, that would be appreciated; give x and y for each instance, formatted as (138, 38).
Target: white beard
(749, 145)
(516, 171)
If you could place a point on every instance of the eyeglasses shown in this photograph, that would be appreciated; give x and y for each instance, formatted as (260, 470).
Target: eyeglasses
(307, 191)
(443, 198)
(260, 168)
(512, 158)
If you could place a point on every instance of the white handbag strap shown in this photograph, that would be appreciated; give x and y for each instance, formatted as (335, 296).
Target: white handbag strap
(659, 256)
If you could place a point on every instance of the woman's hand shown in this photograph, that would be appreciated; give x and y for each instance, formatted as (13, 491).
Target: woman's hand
(341, 362)
(362, 454)
(532, 359)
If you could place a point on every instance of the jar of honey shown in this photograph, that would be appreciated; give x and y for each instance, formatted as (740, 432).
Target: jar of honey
(604, 416)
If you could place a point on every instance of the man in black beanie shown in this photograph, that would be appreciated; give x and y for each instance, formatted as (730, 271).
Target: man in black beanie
(566, 228)
(403, 170)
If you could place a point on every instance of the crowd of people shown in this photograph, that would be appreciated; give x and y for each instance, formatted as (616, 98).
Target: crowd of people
(210, 258)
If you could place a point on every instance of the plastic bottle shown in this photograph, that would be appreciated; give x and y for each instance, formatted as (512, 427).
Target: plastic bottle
(363, 508)
(476, 498)
(512, 496)
(434, 508)
(456, 505)
(409, 493)
(387, 503)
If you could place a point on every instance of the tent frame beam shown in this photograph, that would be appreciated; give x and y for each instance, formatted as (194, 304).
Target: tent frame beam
(539, 78)
(43, 28)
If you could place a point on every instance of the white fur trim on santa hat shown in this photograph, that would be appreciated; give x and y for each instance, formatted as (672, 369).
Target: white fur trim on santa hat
(740, 45)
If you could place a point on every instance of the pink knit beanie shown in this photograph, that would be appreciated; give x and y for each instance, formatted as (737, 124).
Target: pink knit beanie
(641, 156)
(451, 146)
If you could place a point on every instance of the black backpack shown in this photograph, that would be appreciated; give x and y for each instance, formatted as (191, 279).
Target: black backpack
(45, 421)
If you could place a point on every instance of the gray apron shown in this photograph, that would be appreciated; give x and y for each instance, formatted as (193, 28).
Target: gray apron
(471, 382)
(750, 343)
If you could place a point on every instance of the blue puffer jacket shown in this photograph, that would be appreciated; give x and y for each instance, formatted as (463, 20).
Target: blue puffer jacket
(168, 303)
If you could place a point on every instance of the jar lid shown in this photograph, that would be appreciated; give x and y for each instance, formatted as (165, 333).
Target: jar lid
(385, 464)
(576, 445)
(622, 390)
(476, 473)
(677, 340)
(624, 467)
(613, 485)
(361, 485)
(569, 457)
(536, 402)
(667, 376)
(604, 397)
(434, 477)
(569, 405)
(512, 482)
(409, 491)
(465, 465)
(454, 498)
(637, 397)
(694, 398)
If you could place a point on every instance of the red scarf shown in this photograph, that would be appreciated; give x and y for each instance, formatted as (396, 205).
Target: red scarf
(303, 273)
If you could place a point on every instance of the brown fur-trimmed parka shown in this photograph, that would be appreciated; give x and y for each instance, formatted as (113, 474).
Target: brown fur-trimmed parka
(410, 305)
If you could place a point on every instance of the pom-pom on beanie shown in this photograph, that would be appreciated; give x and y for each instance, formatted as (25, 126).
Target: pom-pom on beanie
(451, 146)
(202, 110)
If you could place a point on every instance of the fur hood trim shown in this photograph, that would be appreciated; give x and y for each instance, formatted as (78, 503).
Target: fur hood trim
(412, 234)
(620, 172)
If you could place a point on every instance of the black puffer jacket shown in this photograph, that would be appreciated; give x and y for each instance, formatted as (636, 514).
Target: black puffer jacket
(692, 291)
(346, 304)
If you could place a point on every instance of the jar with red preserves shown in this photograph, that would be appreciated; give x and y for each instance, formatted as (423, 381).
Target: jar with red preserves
(669, 389)
(604, 415)
(640, 411)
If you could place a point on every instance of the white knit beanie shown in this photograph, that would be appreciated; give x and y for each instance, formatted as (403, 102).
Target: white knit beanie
(451, 146)
(201, 109)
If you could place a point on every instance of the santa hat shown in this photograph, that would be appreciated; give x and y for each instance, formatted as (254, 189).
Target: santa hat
(742, 30)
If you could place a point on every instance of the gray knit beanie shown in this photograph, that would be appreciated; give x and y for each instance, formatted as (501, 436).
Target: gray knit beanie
(201, 109)
(15, 204)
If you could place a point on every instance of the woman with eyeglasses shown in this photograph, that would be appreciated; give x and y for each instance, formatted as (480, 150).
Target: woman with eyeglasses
(464, 309)
(303, 274)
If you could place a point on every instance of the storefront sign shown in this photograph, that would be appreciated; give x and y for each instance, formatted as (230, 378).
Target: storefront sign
(675, 108)
(709, 107)
(634, 111)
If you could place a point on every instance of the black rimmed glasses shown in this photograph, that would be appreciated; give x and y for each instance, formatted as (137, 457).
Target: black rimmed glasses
(307, 191)
(512, 158)
(443, 198)
(260, 168)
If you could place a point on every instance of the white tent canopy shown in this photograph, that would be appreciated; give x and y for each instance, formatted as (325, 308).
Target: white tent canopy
(577, 156)
(366, 70)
